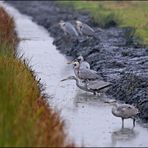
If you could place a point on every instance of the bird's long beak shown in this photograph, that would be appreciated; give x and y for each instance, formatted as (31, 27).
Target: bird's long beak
(64, 79)
(71, 61)
(112, 102)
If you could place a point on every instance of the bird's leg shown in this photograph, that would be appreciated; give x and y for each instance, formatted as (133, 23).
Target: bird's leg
(122, 122)
(133, 122)
(99, 94)
(87, 81)
(76, 41)
(94, 93)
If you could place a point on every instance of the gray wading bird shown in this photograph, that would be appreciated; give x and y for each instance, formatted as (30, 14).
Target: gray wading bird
(124, 111)
(84, 29)
(69, 29)
(84, 73)
(94, 86)
(82, 62)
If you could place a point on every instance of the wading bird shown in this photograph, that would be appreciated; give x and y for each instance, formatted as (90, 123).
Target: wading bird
(93, 86)
(83, 63)
(84, 29)
(84, 73)
(125, 111)
(68, 28)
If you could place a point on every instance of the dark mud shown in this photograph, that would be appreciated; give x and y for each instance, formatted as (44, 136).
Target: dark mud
(116, 54)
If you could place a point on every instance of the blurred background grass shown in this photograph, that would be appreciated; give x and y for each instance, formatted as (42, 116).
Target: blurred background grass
(123, 13)
(25, 118)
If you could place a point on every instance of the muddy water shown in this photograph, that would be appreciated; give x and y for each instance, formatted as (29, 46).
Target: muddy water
(88, 119)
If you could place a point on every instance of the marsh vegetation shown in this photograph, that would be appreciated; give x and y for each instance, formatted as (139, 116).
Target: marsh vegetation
(25, 119)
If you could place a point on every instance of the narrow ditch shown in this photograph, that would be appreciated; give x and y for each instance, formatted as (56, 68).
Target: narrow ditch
(88, 119)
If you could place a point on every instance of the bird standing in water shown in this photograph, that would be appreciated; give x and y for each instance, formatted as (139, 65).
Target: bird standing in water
(125, 111)
(93, 86)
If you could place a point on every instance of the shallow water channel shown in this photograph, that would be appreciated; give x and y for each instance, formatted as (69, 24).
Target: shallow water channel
(88, 119)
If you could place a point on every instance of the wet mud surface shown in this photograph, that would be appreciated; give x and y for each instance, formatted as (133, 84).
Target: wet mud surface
(116, 55)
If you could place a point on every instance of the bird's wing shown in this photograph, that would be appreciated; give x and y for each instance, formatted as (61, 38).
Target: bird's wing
(94, 71)
(85, 73)
(97, 84)
(71, 29)
(88, 27)
(87, 30)
(127, 110)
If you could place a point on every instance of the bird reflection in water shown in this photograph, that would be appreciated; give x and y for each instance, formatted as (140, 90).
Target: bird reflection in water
(87, 98)
(122, 135)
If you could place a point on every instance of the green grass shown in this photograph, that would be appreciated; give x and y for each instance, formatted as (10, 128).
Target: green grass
(17, 95)
(25, 118)
(124, 13)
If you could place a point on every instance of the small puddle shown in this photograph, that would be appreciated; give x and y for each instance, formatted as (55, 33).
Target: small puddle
(89, 120)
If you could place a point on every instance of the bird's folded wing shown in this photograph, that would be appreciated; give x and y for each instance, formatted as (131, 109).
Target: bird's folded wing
(126, 109)
(97, 84)
(88, 28)
(88, 74)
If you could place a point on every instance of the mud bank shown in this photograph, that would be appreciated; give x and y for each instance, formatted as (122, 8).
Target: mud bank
(115, 54)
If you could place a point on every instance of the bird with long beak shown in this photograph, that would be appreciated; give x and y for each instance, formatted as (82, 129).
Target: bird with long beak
(93, 86)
